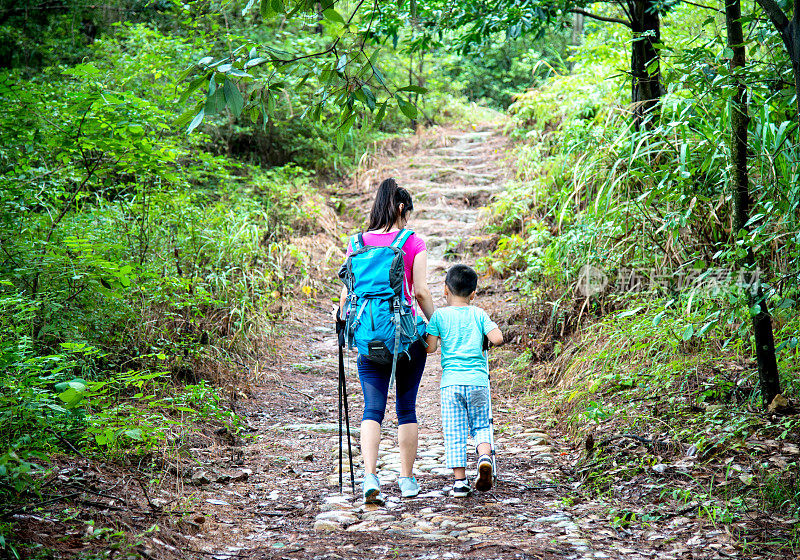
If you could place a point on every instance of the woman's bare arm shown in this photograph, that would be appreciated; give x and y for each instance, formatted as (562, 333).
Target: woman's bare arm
(421, 290)
(341, 301)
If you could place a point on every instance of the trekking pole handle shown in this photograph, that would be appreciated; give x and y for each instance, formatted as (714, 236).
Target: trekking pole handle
(341, 327)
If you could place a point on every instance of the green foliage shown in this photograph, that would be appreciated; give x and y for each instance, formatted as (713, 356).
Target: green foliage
(673, 358)
(591, 190)
(494, 73)
(132, 257)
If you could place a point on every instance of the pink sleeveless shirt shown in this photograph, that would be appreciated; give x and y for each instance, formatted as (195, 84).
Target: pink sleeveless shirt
(414, 245)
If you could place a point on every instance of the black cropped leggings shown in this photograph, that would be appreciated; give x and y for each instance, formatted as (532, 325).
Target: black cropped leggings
(375, 385)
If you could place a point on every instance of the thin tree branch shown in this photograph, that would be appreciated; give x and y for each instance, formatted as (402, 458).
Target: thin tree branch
(778, 18)
(712, 8)
(599, 17)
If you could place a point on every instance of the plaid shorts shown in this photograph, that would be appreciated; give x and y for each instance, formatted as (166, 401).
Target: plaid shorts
(465, 411)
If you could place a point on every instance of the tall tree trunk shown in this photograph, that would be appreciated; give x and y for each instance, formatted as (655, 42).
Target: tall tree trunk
(740, 118)
(577, 35)
(577, 30)
(645, 67)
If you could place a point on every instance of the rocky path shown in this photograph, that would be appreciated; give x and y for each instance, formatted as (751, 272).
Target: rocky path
(277, 496)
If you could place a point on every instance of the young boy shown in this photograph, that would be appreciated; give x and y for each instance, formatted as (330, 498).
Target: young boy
(465, 377)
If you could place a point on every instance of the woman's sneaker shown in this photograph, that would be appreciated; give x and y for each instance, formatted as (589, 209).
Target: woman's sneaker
(483, 481)
(372, 490)
(408, 486)
(461, 489)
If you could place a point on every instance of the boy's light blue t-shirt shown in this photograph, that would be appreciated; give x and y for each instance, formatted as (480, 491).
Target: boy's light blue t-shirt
(461, 330)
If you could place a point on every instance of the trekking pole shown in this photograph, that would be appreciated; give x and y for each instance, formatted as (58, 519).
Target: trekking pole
(491, 416)
(341, 367)
(349, 441)
(343, 402)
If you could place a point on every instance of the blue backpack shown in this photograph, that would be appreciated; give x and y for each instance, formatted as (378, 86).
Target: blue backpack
(379, 321)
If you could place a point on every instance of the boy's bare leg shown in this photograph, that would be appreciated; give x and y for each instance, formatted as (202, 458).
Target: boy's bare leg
(460, 473)
(370, 440)
(484, 449)
(407, 437)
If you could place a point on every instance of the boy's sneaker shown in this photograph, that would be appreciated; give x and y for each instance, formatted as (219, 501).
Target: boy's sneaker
(483, 481)
(372, 490)
(408, 486)
(461, 489)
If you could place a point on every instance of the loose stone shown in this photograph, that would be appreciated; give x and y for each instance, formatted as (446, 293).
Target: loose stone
(325, 526)
(338, 516)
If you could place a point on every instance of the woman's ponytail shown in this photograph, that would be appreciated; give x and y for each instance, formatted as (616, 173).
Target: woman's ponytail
(386, 208)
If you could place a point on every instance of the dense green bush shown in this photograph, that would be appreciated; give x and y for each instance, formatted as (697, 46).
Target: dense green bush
(131, 255)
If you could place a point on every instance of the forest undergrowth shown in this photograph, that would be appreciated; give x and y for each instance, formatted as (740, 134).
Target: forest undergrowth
(637, 323)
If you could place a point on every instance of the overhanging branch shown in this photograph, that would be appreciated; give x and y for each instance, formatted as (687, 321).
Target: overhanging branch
(599, 17)
(777, 17)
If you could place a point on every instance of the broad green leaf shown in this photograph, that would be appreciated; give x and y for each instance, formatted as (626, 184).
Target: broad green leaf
(378, 75)
(687, 334)
(332, 15)
(255, 61)
(339, 139)
(630, 312)
(78, 384)
(196, 121)
(414, 89)
(278, 7)
(135, 434)
(369, 96)
(239, 73)
(193, 86)
(215, 102)
(704, 329)
(187, 116)
(71, 397)
(233, 98)
(348, 123)
(657, 318)
(231, 70)
(407, 108)
(381, 114)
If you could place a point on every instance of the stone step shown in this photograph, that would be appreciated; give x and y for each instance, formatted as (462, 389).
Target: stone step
(453, 215)
(460, 149)
(460, 191)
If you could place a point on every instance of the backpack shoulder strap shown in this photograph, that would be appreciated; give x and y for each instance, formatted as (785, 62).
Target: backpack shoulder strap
(401, 238)
(357, 241)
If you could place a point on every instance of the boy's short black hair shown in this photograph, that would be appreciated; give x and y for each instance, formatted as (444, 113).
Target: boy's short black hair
(461, 280)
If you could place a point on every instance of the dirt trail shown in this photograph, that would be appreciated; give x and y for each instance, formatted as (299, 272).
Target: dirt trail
(286, 502)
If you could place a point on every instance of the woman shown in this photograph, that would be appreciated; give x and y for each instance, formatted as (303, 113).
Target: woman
(390, 214)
